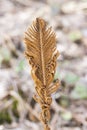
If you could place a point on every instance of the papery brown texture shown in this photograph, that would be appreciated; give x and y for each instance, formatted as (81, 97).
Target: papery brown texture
(42, 55)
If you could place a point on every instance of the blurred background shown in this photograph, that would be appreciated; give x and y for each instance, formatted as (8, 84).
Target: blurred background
(18, 110)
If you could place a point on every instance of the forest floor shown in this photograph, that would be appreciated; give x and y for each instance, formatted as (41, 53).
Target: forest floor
(18, 110)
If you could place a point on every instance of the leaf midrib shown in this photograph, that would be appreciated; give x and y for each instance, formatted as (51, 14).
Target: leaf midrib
(42, 55)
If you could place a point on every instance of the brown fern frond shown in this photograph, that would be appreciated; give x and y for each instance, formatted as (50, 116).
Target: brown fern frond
(42, 55)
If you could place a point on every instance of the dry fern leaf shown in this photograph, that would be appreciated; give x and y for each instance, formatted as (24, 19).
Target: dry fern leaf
(42, 55)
